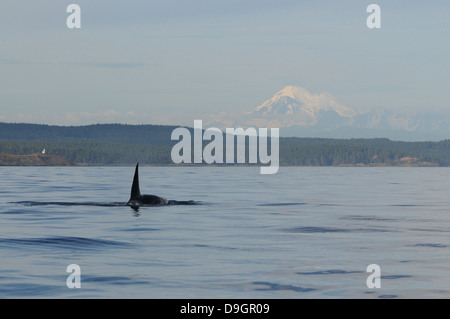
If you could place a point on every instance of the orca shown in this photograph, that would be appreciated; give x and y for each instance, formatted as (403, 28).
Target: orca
(137, 200)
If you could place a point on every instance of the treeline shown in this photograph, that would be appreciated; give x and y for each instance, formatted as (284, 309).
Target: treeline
(92, 152)
(381, 151)
(116, 133)
(118, 144)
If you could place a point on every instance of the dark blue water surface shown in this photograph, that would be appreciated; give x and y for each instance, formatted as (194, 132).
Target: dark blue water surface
(301, 233)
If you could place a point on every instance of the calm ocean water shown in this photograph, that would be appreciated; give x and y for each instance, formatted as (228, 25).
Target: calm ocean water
(302, 233)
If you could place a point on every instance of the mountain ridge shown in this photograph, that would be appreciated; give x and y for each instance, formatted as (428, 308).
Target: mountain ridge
(298, 112)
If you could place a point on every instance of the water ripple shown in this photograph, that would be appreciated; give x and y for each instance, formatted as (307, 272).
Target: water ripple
(429, 245)
(395, 276)
(367, 218)
(62, 242)
(330, 272)
(28, 289)
(314, 229)
(282, 204)
(33, 203)
(270, 286)
(114, 280)
(100, 204)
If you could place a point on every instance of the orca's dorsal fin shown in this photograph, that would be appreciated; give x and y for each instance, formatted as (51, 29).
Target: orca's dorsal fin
(135, 192)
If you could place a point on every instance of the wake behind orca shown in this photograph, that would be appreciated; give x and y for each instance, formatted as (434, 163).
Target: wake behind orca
(136, 199)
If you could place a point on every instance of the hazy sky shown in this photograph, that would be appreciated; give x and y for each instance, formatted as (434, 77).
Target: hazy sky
(159, 61)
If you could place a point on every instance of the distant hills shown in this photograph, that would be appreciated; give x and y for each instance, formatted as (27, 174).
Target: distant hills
(120, 144)
(298, 112)
(99, 144)
(115, 133)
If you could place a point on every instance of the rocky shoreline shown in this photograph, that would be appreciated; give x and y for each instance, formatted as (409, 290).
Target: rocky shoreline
(37, 159)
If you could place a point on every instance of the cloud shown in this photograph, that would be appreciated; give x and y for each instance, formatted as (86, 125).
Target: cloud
(103, 116)
(14, 62)
(110, 65)
(98, 117)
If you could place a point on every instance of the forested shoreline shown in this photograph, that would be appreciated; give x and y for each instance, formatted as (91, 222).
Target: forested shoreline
(121, 144)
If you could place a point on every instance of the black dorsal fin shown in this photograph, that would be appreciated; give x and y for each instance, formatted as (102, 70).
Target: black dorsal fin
(135, 192)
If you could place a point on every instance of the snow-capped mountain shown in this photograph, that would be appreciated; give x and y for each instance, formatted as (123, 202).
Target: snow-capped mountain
(294, 100)
(296, 106)
(298, 112)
